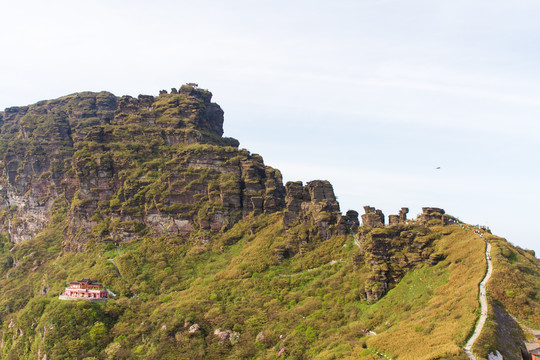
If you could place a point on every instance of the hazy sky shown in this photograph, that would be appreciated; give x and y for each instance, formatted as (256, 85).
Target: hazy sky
(372, 95)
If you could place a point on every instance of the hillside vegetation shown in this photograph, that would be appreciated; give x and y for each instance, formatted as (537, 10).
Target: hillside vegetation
(212, 257)
(312, 304)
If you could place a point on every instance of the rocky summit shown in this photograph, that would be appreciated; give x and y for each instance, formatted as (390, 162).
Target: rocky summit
(197, 250)
(130, 165)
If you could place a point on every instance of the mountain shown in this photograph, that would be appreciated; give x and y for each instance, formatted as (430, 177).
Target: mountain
(208, 255)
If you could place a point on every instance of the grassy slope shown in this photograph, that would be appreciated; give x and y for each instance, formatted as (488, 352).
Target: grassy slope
(515, 283)
(433, 309)
(513, 290)
(310, 304)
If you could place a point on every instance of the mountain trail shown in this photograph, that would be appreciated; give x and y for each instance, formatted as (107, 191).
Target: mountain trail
(118, 249)
(116, 268)
(354, 235)
(482, 297)
(333, 262)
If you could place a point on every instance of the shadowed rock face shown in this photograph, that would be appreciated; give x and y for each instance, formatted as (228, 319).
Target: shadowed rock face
(391, 251)
(352, 218)
(130, 165)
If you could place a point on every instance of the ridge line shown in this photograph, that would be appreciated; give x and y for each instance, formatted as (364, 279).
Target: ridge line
(482, 297)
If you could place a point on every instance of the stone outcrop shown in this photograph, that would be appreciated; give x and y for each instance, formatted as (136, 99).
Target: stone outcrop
(295, 197)
(317, 195)
(194, 328)
(393, 220)
(389, 252)
(224, 335)
(403, 214)
(314, 203)
(432, 213)
(398, 219)
(372, 217)
(352, 218)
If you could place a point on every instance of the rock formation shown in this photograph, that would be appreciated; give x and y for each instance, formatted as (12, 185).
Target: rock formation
(132, 165)
(372, 217)
(398, 219)
(296, 196)
(122, 167)
(316, 204)
(352, 218)
(432, 213)
(390, 251)
(403, 214)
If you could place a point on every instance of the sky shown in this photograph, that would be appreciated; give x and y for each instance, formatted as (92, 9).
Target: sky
(372, 95)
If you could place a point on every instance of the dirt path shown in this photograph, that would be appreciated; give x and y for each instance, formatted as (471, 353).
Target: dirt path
(354, 235)
(333, 262)
(483, 304)
(118, 249)
(356, 241)
(116, 268)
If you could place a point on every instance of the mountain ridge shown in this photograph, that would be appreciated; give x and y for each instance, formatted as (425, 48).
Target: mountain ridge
(219, 258)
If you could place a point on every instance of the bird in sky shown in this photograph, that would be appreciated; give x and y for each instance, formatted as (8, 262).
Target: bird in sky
(438, 168)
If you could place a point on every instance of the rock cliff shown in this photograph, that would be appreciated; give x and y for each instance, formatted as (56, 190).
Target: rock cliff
(389, 252)
(314, 204)
(127, 166)
(202, 241)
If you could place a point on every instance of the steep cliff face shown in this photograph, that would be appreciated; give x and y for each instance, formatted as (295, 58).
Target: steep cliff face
(128, 166)
(390, 252)
(314, 204)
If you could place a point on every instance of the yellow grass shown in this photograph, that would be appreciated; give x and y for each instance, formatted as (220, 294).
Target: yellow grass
(443, 325)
